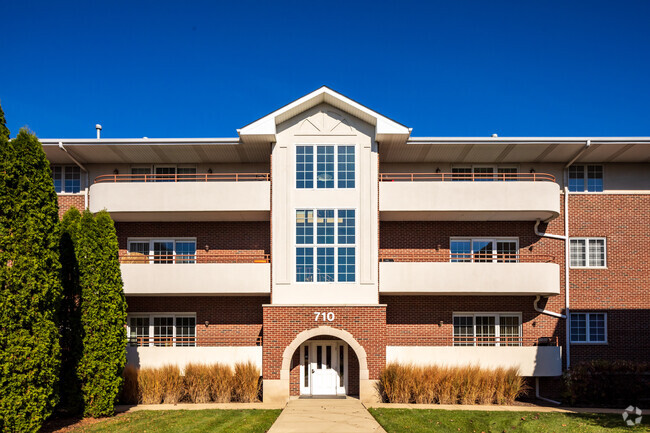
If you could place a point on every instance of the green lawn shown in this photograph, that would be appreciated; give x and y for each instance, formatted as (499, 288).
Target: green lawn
(172, 421)
(424, 420)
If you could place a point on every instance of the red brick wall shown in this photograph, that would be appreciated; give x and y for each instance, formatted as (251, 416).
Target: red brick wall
(233, 320)
(282, 324)
(221, 237)
(622, 289)
(66, 201)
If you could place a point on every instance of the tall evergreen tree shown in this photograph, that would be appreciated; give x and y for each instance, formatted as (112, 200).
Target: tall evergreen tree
(71, 400)
(103, 316)
(4, 131)
(30, 288)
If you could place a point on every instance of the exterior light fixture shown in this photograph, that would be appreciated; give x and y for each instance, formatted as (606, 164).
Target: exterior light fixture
(532, 170)
(209, 171)
(207, 247)
(207, 322)
(438, 170)
(116, 171)
(440, 324)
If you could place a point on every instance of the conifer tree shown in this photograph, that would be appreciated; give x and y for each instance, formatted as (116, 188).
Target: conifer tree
(71, 400)
(103, 315)
(4, 131)
(30, 288)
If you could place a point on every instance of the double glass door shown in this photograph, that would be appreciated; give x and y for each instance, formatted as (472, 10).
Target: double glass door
(323, 368)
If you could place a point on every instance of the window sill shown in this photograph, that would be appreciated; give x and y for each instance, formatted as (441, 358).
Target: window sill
(70, 193)
(589, 343)
(588, 267)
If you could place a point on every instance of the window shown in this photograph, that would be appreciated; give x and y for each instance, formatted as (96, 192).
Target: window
(325, 245)
(484, 173)
(163, 250)
(588, 327)
(67, 179)
(139, 174)
(162, 329)
(586, 178)
(484, 250)
(487, 329)
(186, 174)
(335, 167)
(587, 252)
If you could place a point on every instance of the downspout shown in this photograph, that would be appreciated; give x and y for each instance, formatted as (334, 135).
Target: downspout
(566, 271)
(81, 166)
(539, 396)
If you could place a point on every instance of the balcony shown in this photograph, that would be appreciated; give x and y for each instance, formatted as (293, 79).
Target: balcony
(447, 274)
(206, 274)
(468, 197)
(183, 197)
(532, 356)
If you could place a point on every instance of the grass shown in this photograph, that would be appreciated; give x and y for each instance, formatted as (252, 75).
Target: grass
(425, 420)
(182, 421)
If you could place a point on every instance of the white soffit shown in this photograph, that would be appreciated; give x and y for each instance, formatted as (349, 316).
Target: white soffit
(265, 128)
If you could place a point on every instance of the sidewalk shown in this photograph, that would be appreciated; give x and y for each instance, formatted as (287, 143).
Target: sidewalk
(496, 408)
(325, 416)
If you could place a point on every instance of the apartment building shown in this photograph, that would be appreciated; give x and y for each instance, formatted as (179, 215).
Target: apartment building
(325, 240)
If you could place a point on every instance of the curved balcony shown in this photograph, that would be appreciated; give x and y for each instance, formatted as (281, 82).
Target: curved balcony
(447, 274)
(183, 197)
(200, 274)
(468, 197)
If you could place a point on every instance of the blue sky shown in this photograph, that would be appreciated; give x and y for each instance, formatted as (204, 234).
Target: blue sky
(204, 68)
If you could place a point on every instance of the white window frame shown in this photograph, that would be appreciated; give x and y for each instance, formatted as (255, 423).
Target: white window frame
(336, 171)
(585, 179)
(495, 168)
(64, 168)
(315, 245)
(151, 317)
(586, 266)
(494, 246)
(152, 240)
(497, 326)
(588, 340)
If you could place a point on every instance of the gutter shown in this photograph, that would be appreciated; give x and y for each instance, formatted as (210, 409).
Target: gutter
(82, 167)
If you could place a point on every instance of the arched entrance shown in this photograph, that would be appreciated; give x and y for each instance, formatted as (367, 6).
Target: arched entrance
(324, 361)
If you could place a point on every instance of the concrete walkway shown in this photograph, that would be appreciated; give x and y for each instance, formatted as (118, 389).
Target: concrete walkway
(497, 408)
(325, 416)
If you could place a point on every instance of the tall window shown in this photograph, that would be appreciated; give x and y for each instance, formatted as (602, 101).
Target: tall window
(484, 173)
(67, 178)
(484, 250)
(335, 167)
(588, 252)
(148, 329)
(588, 328)
(487, 329)
(325, 245)
(586, 178)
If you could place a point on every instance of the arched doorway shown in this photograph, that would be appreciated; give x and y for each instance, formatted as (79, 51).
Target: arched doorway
(324, 361)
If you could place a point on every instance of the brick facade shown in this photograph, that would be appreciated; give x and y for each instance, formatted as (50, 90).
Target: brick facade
(232, 320)
(66, 201)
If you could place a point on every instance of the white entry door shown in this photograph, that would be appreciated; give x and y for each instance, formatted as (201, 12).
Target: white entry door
(323, 370)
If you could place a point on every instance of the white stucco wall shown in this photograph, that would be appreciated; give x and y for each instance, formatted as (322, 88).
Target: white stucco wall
(196, 278)
(470, 278)
(324, 124)
(531, 360)
(181, 356)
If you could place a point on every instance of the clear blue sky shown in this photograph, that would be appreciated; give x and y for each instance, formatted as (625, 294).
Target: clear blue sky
(445, 68)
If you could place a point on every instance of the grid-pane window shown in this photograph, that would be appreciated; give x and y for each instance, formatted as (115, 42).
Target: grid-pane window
(163, 331)
(482, 250)
(461, 173)
(139, 251)
(595, 178)
(139, 174)
(576, 178)
(509, 331)
(346, 232)
(163, 251)
(507, 251)
(483, 174)
(586, 178)
(346, 264)
(507, 173)
(325, 264)
(588, 327)
(57, 177)
(346, 166)
(165, 174)
(588, 252)
(185, 251)
(325, 227)
(325, 166)
(461, 251)
(139, 331)
(485, 330)
(304, 227)
(185, 331)
(463, 330)
(304, 264)
(304, 167)
(72, 179)
(186, 174)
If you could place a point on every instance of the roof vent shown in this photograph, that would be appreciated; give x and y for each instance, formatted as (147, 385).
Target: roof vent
(495, 135)
(98, 127)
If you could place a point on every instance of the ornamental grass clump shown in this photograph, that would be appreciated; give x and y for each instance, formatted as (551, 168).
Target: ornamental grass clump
(172, 382)
(151, 385)
(246, 382)
(397, 382)
(130, 389)
(197, 383)
(220, 381)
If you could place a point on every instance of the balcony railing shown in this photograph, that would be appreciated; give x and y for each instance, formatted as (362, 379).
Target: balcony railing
(202, 177)
(428, 340)
(440, 257)
(222, 340)
(466, 177)
(137, 258)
